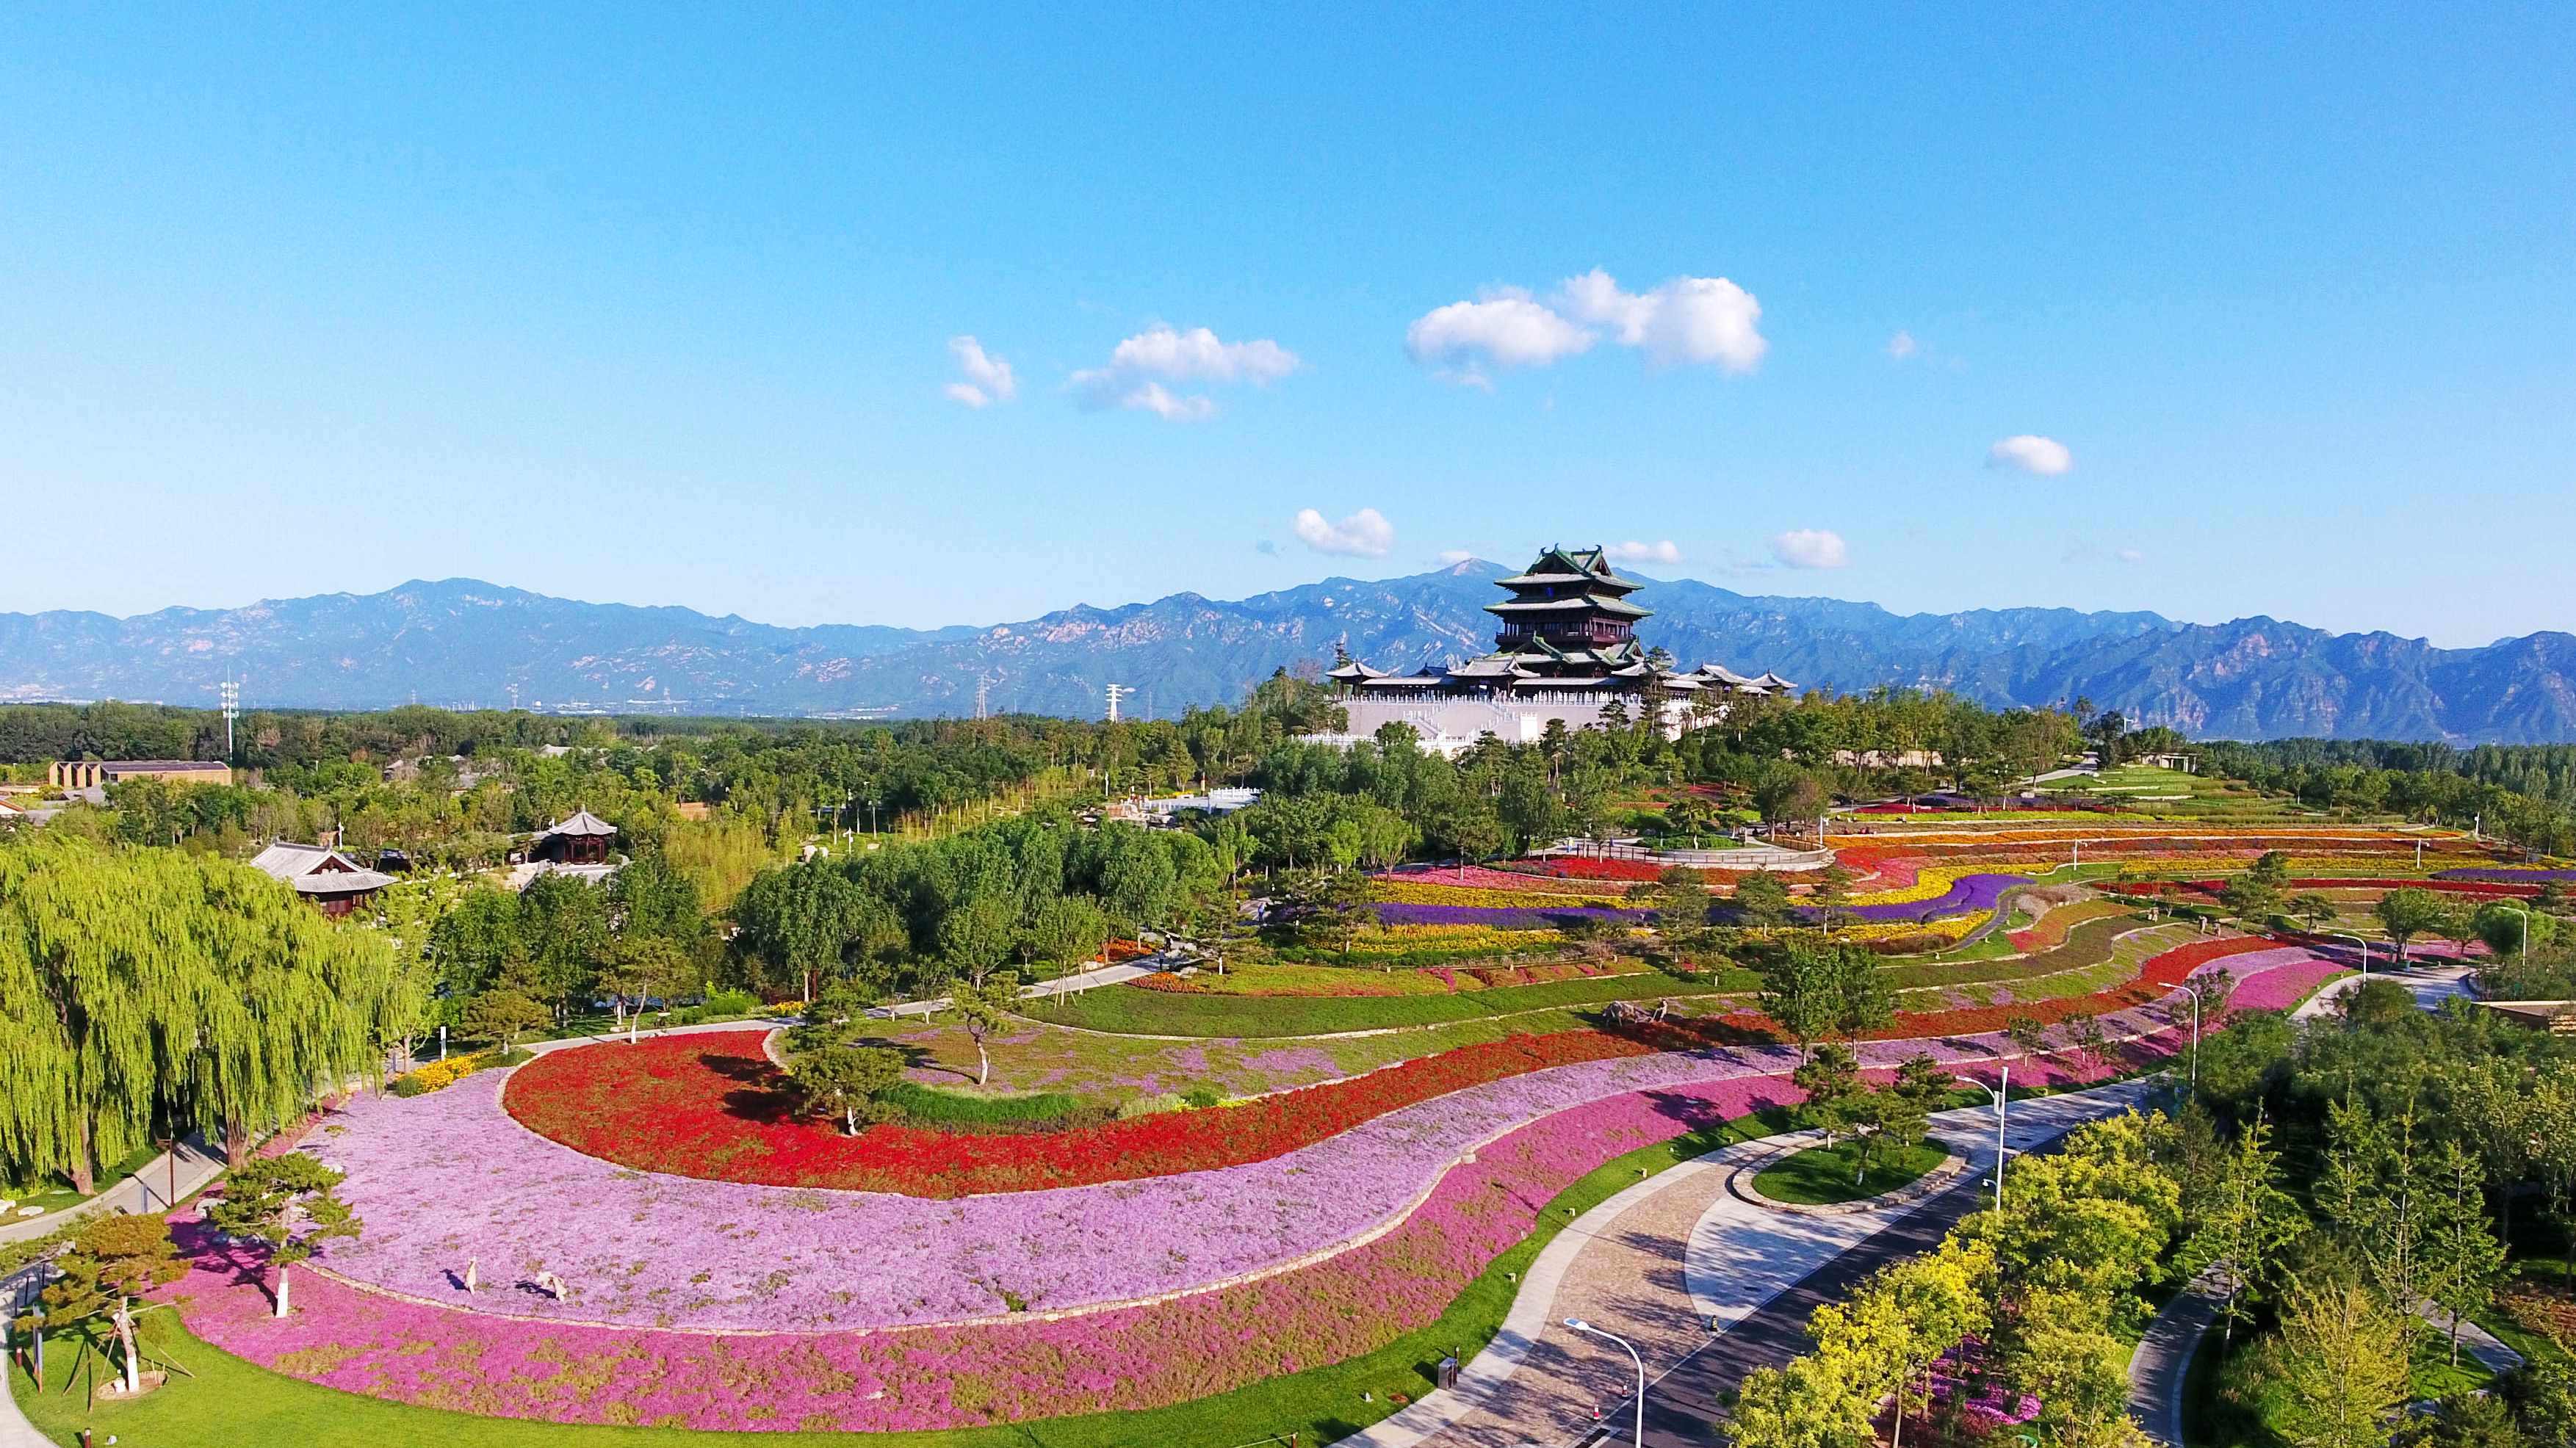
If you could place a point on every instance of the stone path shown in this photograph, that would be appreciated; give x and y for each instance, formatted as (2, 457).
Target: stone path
(1659, 1262)
(2431, 986)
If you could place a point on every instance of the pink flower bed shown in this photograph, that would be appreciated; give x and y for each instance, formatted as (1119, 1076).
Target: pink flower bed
(505, 1358)
(1138, 1357)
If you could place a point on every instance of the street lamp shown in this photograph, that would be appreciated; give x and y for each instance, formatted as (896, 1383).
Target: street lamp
(2001, 1093)
(2526, 931)
(2357, 940)
(1579, 1325)
(2194, 992)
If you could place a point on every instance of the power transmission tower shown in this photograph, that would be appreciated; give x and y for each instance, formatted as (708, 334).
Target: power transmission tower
(232, 708)
(1116, 693)
(982, 684)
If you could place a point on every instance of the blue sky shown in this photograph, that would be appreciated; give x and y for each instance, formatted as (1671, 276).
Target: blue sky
(657, 305)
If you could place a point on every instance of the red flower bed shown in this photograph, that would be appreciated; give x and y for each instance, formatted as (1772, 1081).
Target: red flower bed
(713, 1106)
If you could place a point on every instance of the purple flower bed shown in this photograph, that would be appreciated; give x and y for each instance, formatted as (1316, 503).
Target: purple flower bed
(2506, 877)
(449, 1176)
(1966, 894)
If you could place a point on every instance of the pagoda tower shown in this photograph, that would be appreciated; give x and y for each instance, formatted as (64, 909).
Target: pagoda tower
(1569, 616)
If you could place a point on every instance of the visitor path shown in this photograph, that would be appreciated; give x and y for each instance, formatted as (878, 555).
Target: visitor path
(157, 1187)
(1658, 1262)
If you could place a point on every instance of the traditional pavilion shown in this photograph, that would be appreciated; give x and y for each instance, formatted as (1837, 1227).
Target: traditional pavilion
(321, 874)
(1567, 651)
(580, 840)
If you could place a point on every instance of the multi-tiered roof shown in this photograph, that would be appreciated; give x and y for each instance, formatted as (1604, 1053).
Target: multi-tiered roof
(1567, 626)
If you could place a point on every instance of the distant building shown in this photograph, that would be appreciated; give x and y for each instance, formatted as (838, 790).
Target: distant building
(99, 773)
(1567, 652)
(322, 875)
(580, 840)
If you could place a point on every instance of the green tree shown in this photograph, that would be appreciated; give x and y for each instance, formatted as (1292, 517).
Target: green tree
(2241, 1221)
(1835, 1098)
(2313, 908)
(2408, 912)
(111, 1265)
(504, 1017)
(2251, 899)
(290, 1202)
(1068, 930)
(987, 1009)
(2462, 1259)
(1761, 902)
(2341, 1362)
(844, 1081)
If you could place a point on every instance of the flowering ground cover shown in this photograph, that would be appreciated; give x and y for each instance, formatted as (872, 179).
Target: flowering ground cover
(2050, 930)
(714, 1106)
(1128, 1010)
(1028, 1367)
(2509, 874)
(505, 1360)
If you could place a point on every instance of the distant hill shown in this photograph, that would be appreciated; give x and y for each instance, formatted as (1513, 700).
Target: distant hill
(462, 642)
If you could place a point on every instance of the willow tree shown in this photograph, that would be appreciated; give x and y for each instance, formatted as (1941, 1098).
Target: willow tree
(143, 985)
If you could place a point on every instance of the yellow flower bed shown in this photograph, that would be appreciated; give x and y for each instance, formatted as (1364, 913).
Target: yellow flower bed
(1928, 885)
(1414, 892)
(1462, 939)
(1951, 929)
(441, 1073)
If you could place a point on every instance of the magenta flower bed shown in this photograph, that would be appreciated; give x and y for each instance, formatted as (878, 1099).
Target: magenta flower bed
(503, 1359)
(1137, 1357)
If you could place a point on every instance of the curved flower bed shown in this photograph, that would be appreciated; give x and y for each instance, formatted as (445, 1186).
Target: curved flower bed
(1023, 1367)
(714, 1106)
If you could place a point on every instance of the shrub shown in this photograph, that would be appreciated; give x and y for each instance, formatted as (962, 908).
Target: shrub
(1154, 1105)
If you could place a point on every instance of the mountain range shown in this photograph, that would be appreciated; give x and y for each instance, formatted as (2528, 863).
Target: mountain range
(461, 642)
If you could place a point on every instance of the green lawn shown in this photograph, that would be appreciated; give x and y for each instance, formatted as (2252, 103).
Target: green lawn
(1821, 1175)
(230, 1402)
(1134, 1010)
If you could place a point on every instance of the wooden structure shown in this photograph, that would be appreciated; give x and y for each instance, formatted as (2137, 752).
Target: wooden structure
(581, 840)
(323, 875)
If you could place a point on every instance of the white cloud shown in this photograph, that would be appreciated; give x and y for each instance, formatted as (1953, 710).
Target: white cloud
(1902, 346)
(1364, 534)
(2132, 555)
(1810, 548)
(1686, 320)
(988, 378)
(1139, 366)
(2044, 456)
(1506, 329)
(1455, 556)
(1664, 552)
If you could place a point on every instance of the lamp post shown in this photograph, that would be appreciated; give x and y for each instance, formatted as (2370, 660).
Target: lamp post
(2357, 940)
(2194, 992)
(2526, 931)
(1579, 1325)
(2001, 1093)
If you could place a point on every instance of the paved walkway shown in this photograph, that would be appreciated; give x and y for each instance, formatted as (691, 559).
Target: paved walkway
(1658, 1262)
(2163, 1359)
(2431, 986)
(1051, 989)
(148, 1190)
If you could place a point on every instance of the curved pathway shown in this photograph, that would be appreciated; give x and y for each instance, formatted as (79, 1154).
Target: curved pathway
(1661, 1262)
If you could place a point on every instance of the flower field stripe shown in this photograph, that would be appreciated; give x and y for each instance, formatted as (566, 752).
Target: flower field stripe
(1029, 1366)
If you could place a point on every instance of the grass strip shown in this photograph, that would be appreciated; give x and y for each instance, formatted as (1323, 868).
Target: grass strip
(232, 1402)
(1133, 1010)
(1824, 1175)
